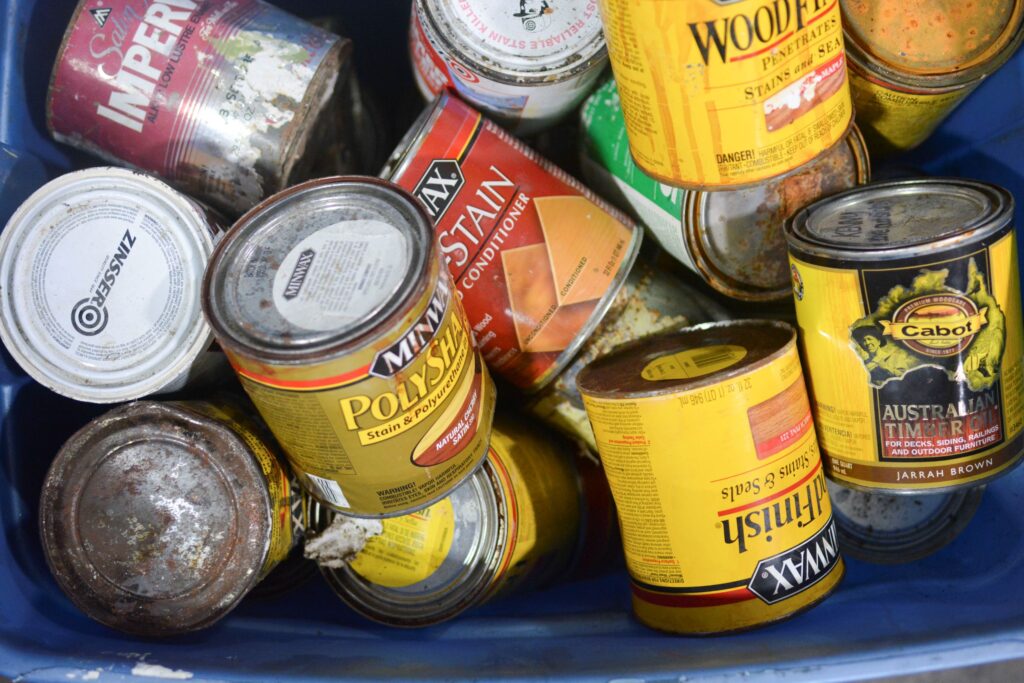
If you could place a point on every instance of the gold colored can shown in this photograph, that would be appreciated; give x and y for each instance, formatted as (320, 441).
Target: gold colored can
(726, 94)
(708, 443)
(333, 305)
(912, 63)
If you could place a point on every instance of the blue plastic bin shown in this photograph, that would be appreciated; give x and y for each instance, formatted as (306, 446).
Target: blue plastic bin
(964, 605)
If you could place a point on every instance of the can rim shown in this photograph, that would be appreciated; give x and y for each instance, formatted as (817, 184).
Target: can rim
(998, 217)
(83, 451)
(75, 380)
(371, 326)
(593, 54)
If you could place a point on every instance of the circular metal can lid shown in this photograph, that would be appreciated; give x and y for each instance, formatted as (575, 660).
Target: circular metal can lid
(315, 267)
(691, 358)
(154, 520)
(99, 284)
(888, 529)
(440, 578)
(529, 40)
(894, 219)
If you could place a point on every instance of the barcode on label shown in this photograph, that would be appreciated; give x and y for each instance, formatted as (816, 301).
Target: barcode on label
(328, 490)
(716, 356)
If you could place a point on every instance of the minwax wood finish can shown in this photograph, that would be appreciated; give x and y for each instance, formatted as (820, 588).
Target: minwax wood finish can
(733, 239)
(520, 522)
(524, 64)
(908, 299)
(537, 259)
(158, 518)
(228, 101)
(724, 93)
(708, 443)
(333, 305)
(912, 63)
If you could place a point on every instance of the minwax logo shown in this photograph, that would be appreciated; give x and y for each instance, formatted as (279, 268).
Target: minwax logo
(299, 273)
(439, 186)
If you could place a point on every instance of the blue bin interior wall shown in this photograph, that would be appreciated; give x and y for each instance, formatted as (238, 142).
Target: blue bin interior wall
(962, 605)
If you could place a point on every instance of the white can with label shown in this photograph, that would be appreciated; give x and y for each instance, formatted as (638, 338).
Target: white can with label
(100, 272)
(525, 64)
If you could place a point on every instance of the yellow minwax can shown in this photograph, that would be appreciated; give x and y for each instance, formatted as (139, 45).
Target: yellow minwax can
(724, 94)
(709, 446)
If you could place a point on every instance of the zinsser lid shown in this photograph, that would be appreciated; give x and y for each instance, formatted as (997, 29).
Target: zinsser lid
(688, 359)
(317, 265)
(897, 216)
(535, 39)
(99, 284)
(154, 520)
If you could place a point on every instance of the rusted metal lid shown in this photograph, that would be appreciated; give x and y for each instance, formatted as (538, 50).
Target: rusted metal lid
(154, 520)
(688, 359)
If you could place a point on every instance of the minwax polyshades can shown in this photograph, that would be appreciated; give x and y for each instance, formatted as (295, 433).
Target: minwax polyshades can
(912, 63)
(524, 64)
(908, 299)
(227, 100)
(514, 524)
(720, 93)
(333, 305)
(158, 518)
(537, 259)
(99, 286)
(733, 239)
(708, 443)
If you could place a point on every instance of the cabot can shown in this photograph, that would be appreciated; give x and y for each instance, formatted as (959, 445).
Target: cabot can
(333, 305)
(99, 286)
(889, 528)
(517, 523)
(908, 299)
(228, 101)
(911, 64)
(733, 239)
(158, 518)
(718, 94)
(708, 443)
(537, 259)
(524, 64)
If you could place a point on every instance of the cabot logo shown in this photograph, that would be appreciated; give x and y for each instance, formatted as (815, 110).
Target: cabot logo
(936, 325)
(797, 569)
(439, 186)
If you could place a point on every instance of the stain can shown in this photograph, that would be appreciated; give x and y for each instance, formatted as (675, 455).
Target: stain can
(524, 64)
(908, 300)
(99, 286)
(733, 239)
(228, 101)
(536, 257)
(158, 518)
(708, 443)
(333, 305)
(515, 524)
(718, 95)
(912, 63)
(891, 529)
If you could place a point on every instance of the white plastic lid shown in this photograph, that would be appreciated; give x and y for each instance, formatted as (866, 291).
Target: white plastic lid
(100, 274)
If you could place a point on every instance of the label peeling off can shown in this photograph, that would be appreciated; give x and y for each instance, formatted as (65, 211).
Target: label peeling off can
(708, 443)
(333, 305)
(908, 298)
(731, 93)
(537, 259)
(228, 101)
(158, 518)
(524, 64)
(99, 286)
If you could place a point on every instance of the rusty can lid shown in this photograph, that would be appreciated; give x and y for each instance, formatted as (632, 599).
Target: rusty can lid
(429, 566)
(892, 528)
(895, 219)
(99, 285)
(736, 237)
(691, 358)
(155, 519)
(317, 266)
(532, 41)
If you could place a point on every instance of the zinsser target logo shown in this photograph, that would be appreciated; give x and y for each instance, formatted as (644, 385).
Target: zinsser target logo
(90, 316)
